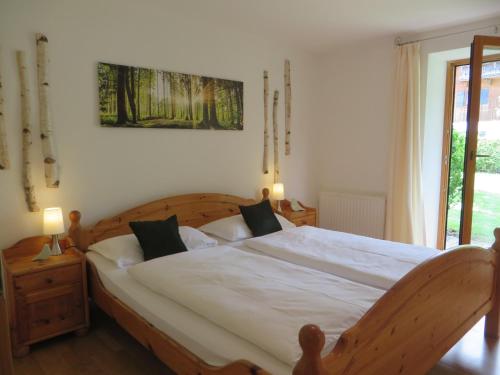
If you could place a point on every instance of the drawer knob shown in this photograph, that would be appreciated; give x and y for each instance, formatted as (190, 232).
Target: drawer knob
(49, 280)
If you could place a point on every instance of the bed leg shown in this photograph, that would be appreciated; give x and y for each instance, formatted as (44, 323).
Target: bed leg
(492, 325)
(311, 340)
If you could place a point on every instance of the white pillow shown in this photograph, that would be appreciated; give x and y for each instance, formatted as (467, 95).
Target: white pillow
(126, 251)
(195, 239)
(234, 228)
(123, 250)
(285, 223)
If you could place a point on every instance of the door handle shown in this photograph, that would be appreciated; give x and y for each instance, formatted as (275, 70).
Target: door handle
(477, 155)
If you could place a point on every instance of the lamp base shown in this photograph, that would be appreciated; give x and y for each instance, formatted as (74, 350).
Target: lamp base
(56, 249)
(278, 208)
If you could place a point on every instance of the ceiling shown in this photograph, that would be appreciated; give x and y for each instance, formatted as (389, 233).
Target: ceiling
(318, 25)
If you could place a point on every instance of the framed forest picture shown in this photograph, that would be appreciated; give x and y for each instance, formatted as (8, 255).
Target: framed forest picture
(150, 98)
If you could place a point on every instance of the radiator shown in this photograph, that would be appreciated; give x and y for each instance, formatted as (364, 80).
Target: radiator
(353, 213)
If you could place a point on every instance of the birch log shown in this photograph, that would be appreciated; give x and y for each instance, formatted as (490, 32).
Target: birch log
(4, 155)
(46, 132)
(265, 165)
(275, 137)
(29, 189)
(288, 106)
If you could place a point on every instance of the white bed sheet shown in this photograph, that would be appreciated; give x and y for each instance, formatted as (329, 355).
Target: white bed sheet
(263, 300)
(370, 261)
(205, 339)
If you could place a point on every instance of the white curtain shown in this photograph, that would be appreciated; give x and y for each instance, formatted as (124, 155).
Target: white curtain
(405, 206)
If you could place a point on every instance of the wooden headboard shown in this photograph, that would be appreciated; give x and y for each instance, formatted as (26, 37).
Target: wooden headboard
(191, 209)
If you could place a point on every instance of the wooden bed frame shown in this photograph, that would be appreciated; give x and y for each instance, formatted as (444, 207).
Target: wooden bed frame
(407, 331)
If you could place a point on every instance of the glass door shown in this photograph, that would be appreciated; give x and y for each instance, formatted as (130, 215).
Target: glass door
(480, 212)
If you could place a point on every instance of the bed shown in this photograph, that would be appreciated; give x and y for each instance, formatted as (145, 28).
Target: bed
(406, 331)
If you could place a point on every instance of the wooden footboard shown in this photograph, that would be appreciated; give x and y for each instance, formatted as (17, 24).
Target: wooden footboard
(417, 321)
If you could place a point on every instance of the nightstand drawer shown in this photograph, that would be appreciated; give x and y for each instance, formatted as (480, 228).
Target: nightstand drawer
(41, 280)
(46, 313)
(305, 220)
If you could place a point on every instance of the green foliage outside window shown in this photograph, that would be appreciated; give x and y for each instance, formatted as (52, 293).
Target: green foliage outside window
(490, 164)
(456, 168)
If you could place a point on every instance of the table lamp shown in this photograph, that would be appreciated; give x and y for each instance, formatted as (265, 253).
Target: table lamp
(53, 225)
(279, 193)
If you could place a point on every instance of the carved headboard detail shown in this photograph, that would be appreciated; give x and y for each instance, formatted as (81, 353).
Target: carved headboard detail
(191, 209)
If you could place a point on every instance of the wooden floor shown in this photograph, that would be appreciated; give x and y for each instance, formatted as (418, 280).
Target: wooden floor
(107, 349)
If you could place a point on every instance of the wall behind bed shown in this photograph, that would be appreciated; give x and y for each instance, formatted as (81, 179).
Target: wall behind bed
(104, 171)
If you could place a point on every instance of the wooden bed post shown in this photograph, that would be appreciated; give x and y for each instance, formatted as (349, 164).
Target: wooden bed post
(492, 325)
(75, 231)
(265, 194)
(312, 341)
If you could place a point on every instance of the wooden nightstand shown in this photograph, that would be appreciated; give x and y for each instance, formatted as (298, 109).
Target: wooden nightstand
(6, 367)
(44, 298)
(299, 218)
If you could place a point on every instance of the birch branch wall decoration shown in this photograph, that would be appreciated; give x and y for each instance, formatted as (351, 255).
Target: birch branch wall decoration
(275, 137)
(29, 189)
(265, 165)
(288, 106)
(4, 155)
(46, 131)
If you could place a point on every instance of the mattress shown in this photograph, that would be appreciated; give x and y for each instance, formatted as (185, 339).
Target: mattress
(210, 342)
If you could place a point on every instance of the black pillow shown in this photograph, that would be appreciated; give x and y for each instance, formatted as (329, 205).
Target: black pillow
(158, 238)
(260, 218)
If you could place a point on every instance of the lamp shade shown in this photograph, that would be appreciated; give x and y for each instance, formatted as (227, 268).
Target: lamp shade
(278, 191)
(53, 222)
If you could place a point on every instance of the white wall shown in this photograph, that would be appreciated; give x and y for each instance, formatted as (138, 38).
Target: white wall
(356, 102)
(103, 170)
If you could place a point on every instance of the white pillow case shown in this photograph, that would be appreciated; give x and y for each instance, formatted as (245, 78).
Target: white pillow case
(123, 250)
(126, 251)
(234, 228)
(285, 223)
(195, 239)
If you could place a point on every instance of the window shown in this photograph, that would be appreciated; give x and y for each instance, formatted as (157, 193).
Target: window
(461, 99)
(485, 94)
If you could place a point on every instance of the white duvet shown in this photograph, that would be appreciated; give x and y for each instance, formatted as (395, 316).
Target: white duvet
(365, 260)
(263, 300)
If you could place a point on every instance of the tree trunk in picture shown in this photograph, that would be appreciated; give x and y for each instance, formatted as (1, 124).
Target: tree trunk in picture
(239, 103)
(131, 93)
(205, 117)
(150, 91)
(46, 130)
(173, 109)
(193, 105)
(164, 81)
(158, 106)
(186, 80)
(4, 155)
(213, 122)
(231, 105)
(29, 188)
(138, 94)
(121, 107)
